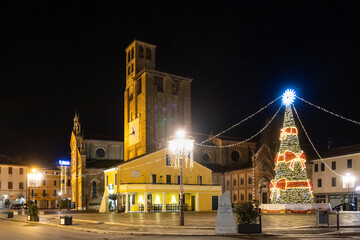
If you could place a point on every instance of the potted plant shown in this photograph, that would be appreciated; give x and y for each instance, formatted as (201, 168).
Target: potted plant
(33, 212)
(247, 214)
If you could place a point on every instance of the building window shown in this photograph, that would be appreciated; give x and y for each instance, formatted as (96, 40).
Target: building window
(44, 193)
(333, 182)
(228, 183)
(21, 171)
(349, 163)
(159, 83)
(54, 193)
(168, 160)
(116, 179)
(199, 180)
(234, 182)
(132, 67)
(129, 70)
(107, 180)
(242, 181)
(178, 180)
(94, 189)
(54, 182)
(154, 178)
(148, 53)
(333, 165)
(68, 183)
(138, 87)
(206, 157)
(141, 51)
(128, 54)
(235, 156)
(250, 196)
(168, 179)
(242, 197)
(21, 185)
(44, 182)
(10, 170)
(322, 167)
(316, 167)
(319, 183)
(132, 53)
(234, 197)
(250, 180)
(32, 192)
(100, 153)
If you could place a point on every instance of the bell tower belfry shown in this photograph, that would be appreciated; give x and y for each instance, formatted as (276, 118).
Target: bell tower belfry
(155, 103)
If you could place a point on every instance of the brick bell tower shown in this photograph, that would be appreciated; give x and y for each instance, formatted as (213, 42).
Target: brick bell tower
(155, 103)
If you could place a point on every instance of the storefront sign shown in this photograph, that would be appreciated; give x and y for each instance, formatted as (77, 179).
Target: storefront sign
(63, 163)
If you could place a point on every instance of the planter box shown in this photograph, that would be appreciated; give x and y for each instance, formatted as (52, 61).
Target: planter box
(9, 215)
(249, 228)
(65, 220)
(33, 218)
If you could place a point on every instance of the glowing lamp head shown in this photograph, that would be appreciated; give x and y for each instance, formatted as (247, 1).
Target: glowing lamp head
(180, 134)
(33, 170)
(288, 97)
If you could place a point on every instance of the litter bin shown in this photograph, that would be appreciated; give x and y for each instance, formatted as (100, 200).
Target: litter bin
(9, 215)
(65, 220)
(322, 217)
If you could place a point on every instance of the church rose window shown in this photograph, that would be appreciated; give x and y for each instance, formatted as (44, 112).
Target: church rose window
(100, 152)
(206, 157)
(235, 156)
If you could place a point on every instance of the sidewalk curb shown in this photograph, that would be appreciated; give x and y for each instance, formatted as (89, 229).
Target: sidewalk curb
(111, 232)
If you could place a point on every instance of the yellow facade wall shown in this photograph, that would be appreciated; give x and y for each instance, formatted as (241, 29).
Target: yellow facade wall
(155, 163)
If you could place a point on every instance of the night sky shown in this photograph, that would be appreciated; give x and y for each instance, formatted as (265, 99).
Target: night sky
(59, 57)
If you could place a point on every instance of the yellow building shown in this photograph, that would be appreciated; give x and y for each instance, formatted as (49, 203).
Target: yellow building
(151, 184)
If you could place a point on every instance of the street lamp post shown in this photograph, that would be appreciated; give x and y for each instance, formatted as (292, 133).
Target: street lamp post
(181, 147)
(348, 181)
(60, 193)
(34, 179)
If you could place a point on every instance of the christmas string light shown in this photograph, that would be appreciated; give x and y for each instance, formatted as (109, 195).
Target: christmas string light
(313, 146)
(327, 111)
(246, 140)
(237, 124)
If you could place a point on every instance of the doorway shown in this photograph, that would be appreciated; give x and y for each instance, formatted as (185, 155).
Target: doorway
(264, 197)
(192, 203)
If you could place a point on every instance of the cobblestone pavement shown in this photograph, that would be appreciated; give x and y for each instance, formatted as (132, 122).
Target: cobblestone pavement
(196, 223)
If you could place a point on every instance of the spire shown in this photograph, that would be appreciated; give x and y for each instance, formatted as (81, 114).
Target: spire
(77, 125)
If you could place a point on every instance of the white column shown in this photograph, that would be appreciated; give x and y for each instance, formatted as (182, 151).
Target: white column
(145, 201)
(197, 206)
(126, 202)
(164, 202)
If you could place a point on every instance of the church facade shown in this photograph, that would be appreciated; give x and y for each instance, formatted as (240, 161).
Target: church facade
(89, 157)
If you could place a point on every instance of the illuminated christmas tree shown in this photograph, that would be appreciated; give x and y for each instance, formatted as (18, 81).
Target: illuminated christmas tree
(291, 184)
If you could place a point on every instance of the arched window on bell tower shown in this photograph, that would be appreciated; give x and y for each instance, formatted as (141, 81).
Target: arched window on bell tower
(148, 53)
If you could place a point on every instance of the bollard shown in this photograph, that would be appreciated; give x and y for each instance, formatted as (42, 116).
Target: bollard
(260, 220)
(337, 220)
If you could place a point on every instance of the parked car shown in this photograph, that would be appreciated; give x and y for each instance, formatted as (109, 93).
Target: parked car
(16, 206)
(345, 207)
